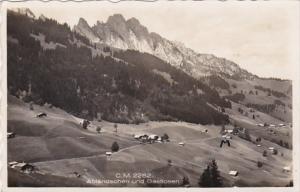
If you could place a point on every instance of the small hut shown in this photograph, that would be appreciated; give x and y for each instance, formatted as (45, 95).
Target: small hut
(40, 115)
(11, 135)
(233, 173)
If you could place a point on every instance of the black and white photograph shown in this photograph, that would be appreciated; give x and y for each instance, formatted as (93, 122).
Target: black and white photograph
(172, 94)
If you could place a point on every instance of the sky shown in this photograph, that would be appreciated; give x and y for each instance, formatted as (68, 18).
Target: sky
(262, 37)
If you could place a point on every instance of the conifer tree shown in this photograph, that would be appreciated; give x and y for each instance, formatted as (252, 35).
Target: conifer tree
(211, 176)
(215, 175)
(205, 179)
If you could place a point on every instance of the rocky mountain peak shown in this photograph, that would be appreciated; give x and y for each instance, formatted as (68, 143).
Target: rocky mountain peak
(139, 30)
(42, 17)
(131, 34)
(116, 19)
(83, 22)
(133, 21)
(117, 24)
(84, 29)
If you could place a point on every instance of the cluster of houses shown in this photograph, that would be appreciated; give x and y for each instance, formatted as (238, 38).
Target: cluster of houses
(24, 167)
(144, 138)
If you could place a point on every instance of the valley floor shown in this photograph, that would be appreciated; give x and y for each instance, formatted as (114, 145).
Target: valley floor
(66, 155)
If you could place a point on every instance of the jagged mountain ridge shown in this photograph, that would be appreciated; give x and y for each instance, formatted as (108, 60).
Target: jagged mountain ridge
(131, 34)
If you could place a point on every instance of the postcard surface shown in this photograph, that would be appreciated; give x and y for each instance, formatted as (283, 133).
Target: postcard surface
(183, 95)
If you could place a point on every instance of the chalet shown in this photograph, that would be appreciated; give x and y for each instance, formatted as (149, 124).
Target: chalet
(139, 136)
(286, 169)
(233, 173)
(153, 137)
(11, 135)
(273, 150)
(181, 143)
(12, 163)
(108, 154)
(76, 174)
(258, 145)
(159, 139)
(260, 125)
(40, 115)
(230, 131)
(136, 136)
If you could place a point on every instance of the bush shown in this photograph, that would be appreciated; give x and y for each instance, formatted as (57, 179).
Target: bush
(291, 184)
(116, 127)
(115, 147)
(265, 153)
(185, 181)
(286, 145)
(165, 137)
(98, 129)
(259, 164)
(169, 162)
(258, 139)
(240, 110)
(275, 152)
(85, 124)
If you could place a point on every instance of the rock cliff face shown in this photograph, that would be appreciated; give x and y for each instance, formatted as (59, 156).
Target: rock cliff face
(131, 34)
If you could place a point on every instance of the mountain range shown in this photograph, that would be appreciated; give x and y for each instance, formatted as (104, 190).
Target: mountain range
(148, 76)
(132, 85)
(131, 34)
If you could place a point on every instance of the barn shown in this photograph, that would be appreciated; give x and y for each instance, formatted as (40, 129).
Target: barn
(233, 173)
(40, 115)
